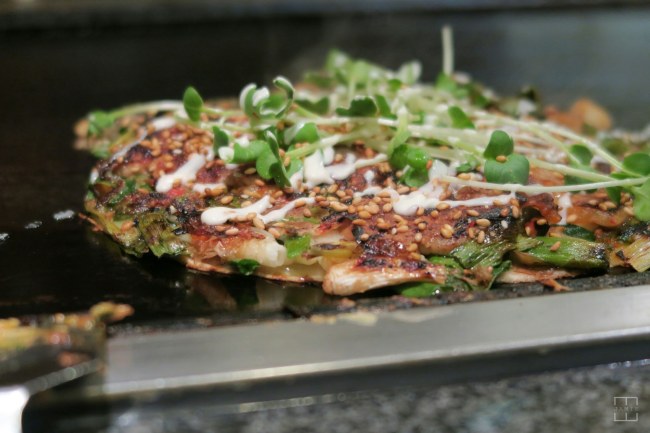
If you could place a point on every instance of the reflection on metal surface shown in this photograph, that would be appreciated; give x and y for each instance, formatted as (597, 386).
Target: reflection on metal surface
(12, 403)
(247, 353)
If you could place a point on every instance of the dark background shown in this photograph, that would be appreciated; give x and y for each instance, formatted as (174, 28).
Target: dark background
(61, 59)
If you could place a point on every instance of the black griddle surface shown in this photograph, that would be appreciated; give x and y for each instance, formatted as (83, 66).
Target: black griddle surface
(52, 78)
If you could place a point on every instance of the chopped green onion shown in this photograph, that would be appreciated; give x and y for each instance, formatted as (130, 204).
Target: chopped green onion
(245, 266)
(297, 245)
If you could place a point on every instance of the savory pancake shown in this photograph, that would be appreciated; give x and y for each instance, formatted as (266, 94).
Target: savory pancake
(362, 177)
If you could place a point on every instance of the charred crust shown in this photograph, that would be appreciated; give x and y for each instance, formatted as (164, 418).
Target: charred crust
(600, 252)
(414, 265)
(374, 262)
(378, 245)
(357, 232)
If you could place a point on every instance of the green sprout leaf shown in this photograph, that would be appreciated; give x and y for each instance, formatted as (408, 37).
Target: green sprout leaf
(321, 106)
(221, 138)
(360, 106)
(246, 100)
(638, 163)
(414, 160)
(500, 144)
(399, 157)
(477, 96)
(448, 84)
(321, 80)
(614, 145)
(294, 166)
(642, 201)
(98, 121)
(285, 85)
(415, 177)
(259, 103)
(614, 192)
(249, 153)
(394, 84)
(264, 162)
(515, 169)
(405, 155)
(469, 165)
(417, 158)
(384, 107)
(277, 170)
(193, 104)
(581, 153)
(297, 245)
(336, 59)
(245, 266)
(459, 119)
(269, 163)
(302, 133)
(409, 73)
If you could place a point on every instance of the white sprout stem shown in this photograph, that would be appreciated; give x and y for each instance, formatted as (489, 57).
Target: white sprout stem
(447, 50)
(533, 140)
(219, 112)
(537, 189)
(306, 113)
(165, 105)
(470, 143)
(223, 125)
(534, 128)
(542, 130)
(324, 143)
(583, 174)
(325, 121)
(593, 146)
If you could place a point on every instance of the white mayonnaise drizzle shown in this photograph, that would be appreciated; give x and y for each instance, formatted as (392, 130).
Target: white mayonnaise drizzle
(296, 179)
(243, 141)
(315, 172)
(226, 153)
(129, 146)
(428, 196)
(94, 175)
(219, 215)
(161, 123)
(369, 176)
(351, 164)
(328, 155)
(564, 203)
(185, 173)
(278, 214)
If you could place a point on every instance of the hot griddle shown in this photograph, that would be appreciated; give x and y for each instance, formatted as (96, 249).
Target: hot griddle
(52, 76)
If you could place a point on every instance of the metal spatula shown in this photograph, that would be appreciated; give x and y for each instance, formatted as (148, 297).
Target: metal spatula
(47, 352)
(34, 370)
